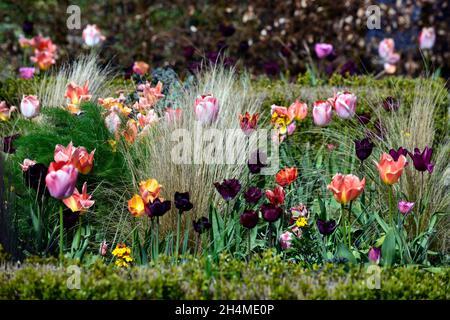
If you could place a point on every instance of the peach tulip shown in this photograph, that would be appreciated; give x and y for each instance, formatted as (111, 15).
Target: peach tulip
(131, 131)
(61, 179)
(389, 169)
(63, 154)
(29, 106)
(149, 189)
(83, 160)
(322, 112)
(140, 67)
(346, 188)
(43, 59)
(79, 202)
(136, 206)
(5, 111)
(298, 110)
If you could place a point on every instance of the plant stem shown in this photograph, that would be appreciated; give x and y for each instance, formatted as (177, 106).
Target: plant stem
(269, 235)
(350, 225)
(157, 239)
(61, 235)
(249, 244)
(177, 245)
(391, 203)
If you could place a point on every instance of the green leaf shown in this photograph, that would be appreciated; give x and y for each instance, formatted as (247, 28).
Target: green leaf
(344, 252)
(388, 248)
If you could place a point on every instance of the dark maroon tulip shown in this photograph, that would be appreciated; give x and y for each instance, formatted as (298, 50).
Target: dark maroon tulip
(422, 160)
(227, 30)
(249, 219)
(157, 208)
(391, 104)
(182, 202)
(395, 154)
(271, 68)
(8, 142)
(257, 161)
(228, 189)
(326, 227)
(35, 177)
(270, 212)
(348, 68)
(363, 148)
(364, 118)
(253, 194)
(201, 225)
(188, 52)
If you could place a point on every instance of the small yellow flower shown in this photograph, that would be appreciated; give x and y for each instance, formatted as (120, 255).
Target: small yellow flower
(301, 222)
(123, 255)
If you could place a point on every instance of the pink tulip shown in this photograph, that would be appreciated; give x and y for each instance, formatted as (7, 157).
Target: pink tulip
(286, 240)
(427, 38)
(29, 107)
(61, 179)
(63, 154)
(386, 48)
(322, 113)
(374, 255)
(26, 72)
(344, 104)
(206, 109)
(103, 248)
(27, 163)
(92, 35)
(323, 50)
(405, 207)
(112, 122)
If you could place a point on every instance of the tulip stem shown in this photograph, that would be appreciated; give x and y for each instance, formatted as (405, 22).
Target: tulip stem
(61, 235)
(177, 245)
(249, 244)
(157, 239)
(391, 203)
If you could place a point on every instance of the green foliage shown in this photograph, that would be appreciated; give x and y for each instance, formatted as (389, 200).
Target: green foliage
(264, 277)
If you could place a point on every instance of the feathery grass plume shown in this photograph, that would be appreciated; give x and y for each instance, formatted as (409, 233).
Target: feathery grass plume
(52, 88)
(154, 156)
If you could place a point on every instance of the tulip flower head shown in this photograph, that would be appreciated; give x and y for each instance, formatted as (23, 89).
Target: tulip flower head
(92, 35)
(27, 163)
(281, 118)
(427, 38)
(346, 188)
(173, 115)
(61, 179)
(5, 111)
(83, 160)
(63, 154)
(201, 225)
(344, 104)
(182, 201)
(27, 72)
(298, 110)
(75, 95)
(112, 122)
(276, 197)
(257, 161)
(363, 148)
(157, 208)
(140, 67)
(228, 189)
(103, 248)
(149, 190)
(29, 106)
(252, 195)
(286, 176)
(389, 169)
(322, 112)
(422, 160)
(270, 212)
(206, 109)
(395, 154)
(405, 207)
(386, 51)
(136, 206)
(79, 202)
(249, 219)
(248, 122)
(374, 255)
(299, 211)
(286, 240)
(323, 50)
(326, 227)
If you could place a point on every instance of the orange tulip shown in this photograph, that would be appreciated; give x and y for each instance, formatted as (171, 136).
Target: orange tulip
(149, 189)
(79, 202)
(248, 122)
(83, 160)
(286, 176)
(136, 206)
(390, 170)
(346, 188)
(76, 95)
(298, 110)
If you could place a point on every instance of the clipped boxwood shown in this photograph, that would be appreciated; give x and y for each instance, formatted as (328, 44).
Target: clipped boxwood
(264, 277)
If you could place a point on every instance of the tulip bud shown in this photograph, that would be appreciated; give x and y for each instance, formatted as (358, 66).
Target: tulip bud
(61, 179)
(345, 104)
(322, 113)
(206, 109)
(29, 107)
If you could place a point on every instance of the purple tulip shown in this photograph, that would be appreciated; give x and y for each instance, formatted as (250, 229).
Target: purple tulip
(26, 72)
(374, 255)
(257, 161)
(228, 189)
(323, 50)
(422, 160)
(201, 225)
(157, 208)
(363, 118)
(405, 207)
(363, 148)
(270, 212)
(253, 194)
(395, 154)
(326, 227)
(271, 68)
(249, 219)
(182, 202)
